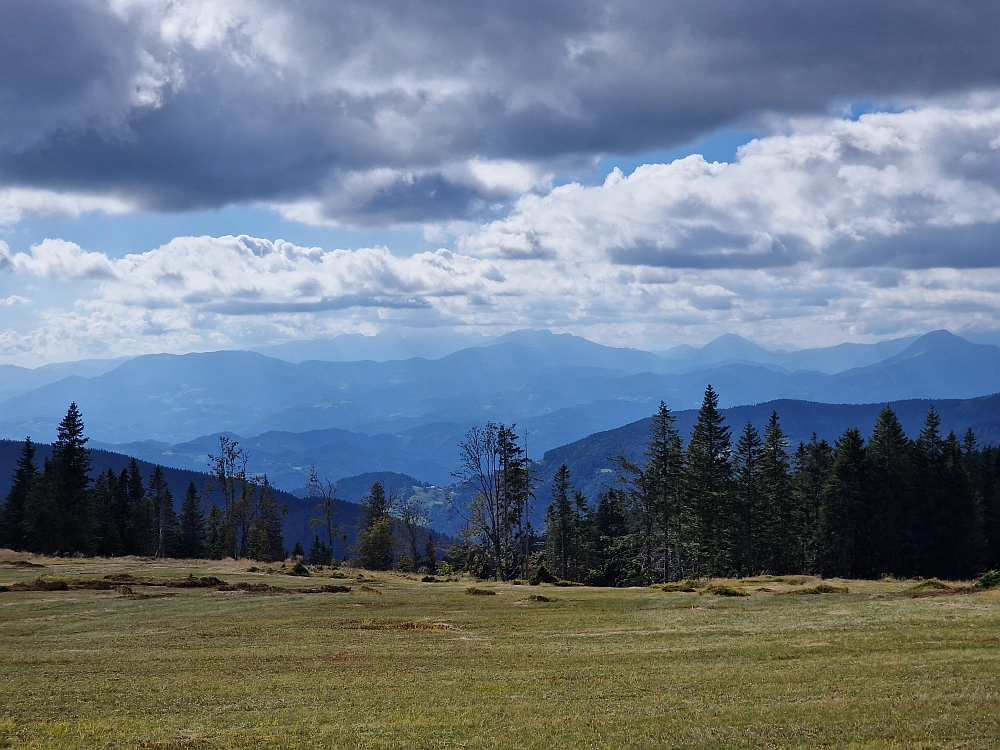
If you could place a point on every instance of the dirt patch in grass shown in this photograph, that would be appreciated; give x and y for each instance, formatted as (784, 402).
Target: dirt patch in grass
(386, 625)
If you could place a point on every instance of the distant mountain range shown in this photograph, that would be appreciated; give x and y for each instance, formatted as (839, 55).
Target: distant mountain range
(408, 415)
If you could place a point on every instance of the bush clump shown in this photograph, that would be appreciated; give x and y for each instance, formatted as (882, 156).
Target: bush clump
(429, 579)
(823, 588)
(299, 570)
(721, 589)
(542, 575)
(537, 598)
(989, 580)
(931, 584)
(476, 591)
(686, 587)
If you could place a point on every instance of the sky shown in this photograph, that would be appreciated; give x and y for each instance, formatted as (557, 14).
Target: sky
(232, 173)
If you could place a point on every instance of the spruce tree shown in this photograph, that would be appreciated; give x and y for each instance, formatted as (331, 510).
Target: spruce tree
(777, 533)
(810, 484)
(265, 541)
(142, 529)
(662, 492)
(375, 539)
(844, 514)
(747, 516)
(559, 524)
(192, 525)
(106, 540)
(70, 481)
(892, 496)
(709, 485)
(12, 515)
(165, 527)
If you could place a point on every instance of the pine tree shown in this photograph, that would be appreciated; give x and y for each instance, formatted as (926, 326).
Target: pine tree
(319, 553)
(776, 529)
(559, 524)
(662, 490)
(165, 525)
(747, 501)
(12, 515)
(192, 526)
(709, 487)
(106, 539)
(891, 462)
(142, 517)
(430, 554)
(810, 484)
(375, 538)
(266, 542)
(70, 482)
(844, 515)
(215, 538)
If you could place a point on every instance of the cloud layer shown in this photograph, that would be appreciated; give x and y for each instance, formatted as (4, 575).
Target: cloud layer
(888, 224)
(416, 111)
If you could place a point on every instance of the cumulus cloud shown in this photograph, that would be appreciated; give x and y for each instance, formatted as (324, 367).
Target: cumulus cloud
(833, 229)
(919, 188)
(413, 111)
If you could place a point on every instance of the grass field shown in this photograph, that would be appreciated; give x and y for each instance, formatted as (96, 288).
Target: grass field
(399, 663)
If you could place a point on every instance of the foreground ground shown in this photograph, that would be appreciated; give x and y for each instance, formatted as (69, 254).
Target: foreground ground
(399, 663)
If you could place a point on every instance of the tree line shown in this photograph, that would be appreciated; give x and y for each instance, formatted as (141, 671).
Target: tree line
(61, 509)
(721, 506)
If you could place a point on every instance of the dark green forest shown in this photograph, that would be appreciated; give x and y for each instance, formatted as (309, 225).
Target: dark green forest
(740, 505)
(60, 509)
(719, 505)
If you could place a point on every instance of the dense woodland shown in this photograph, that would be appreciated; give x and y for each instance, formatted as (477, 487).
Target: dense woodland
(61, 509)
(718, 506)
(725, 506)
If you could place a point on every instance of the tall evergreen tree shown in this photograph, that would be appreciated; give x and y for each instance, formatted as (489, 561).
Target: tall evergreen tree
(844, 512)
(810, 484)
(709, 487)
(662, 492)
(192, 526)
(892, 497)
(142, 516)
(266, 541)
(559, 524)
(12, 515)
(165, 527)
(69, 483)
(748, 516)
(375, 538)
(106, 539)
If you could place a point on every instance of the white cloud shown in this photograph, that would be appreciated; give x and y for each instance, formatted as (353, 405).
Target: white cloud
(14, 299)
(19, 203)
(834, 229)
(58, 260)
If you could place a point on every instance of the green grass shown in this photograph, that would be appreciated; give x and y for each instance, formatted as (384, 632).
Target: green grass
(402, 663)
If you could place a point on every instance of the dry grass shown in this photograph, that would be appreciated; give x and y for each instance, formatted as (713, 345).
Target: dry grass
(429, 666)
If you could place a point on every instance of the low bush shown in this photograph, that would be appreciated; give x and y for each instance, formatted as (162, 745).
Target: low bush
(429, 579)
(686, 587)
(721, 589)
(299, 570)
(542, 575)
(823, 588)
(537, 598)
(931, 584)
(988, 580)
(476, 591)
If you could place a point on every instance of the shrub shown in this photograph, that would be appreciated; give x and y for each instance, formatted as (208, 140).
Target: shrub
(480, 592)
(988, 580)
(299, 570)
(429, 579)
(931, 584)
(823, 588)
(721, 589)
(542, 575)
(679, 586)
(538, 598)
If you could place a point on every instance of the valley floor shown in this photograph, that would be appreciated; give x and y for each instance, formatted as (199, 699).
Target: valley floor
(399, 663)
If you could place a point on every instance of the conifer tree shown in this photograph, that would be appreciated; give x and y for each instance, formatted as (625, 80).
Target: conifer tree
(12, 514)
(559, 524)
(776, 528)
(165, 526)
(69, 482)
(747, 516)
(192, 525)
(810, 484)
(709, 487)
(142, 515)
(106, 540)
(844, 515)
(662, 491)
(892, 496)
(265, 538)
(375, 538)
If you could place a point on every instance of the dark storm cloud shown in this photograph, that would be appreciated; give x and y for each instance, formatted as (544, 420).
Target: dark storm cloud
(288, 96)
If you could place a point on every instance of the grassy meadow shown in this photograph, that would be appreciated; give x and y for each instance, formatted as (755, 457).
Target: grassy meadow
(399, 663)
